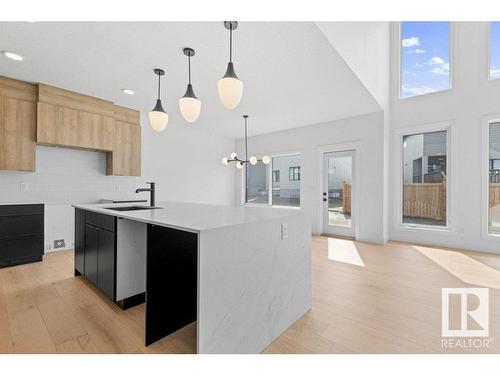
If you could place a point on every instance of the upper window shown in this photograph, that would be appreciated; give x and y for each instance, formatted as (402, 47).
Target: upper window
(425, 58)
(276, 176)
(294, 173)
(495, 50)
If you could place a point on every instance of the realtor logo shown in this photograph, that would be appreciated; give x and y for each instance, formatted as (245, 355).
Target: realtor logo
(465, 312)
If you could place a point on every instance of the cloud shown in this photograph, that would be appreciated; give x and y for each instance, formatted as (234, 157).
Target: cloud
(494, 72)
(440, 66)
(410, 42)
(416, 50)
(407, 91)
(435, 61)
(443, 69)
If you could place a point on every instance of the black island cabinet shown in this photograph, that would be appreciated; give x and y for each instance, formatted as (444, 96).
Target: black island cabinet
(95, 250)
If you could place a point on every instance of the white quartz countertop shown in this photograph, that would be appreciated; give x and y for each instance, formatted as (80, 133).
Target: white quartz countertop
(194, 217)
(19, 203)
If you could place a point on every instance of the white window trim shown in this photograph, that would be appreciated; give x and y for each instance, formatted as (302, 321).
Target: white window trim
(270, 178)
(399, 134)
(451, 49)
(485, 182)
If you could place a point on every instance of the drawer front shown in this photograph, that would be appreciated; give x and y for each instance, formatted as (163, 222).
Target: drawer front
(21, 225)
(20, 250)
(21, 209)
(102, 221)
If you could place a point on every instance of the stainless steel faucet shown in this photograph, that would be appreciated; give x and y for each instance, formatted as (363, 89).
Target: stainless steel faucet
(151, 190)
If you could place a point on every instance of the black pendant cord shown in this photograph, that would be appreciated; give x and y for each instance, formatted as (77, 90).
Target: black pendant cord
(246, 162)
(189, 68)
(230, 42)
(246, 141)
(159, 83)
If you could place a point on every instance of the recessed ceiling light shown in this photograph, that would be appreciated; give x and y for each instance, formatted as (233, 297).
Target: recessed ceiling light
(128, 91)
(13, 56)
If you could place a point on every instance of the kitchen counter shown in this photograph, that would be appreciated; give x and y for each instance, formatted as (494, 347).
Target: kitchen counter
(194, 217)
(242, 273)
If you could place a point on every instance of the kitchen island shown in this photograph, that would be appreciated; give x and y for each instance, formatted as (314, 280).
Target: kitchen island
(242, 273)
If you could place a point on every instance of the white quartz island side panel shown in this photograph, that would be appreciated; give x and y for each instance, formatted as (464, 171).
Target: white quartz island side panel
(252, 284)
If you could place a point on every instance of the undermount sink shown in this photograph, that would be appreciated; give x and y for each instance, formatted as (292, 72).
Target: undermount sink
(132, 208)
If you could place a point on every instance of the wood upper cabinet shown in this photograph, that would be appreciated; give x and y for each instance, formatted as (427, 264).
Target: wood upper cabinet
(17, 125)
(31, 114)
(74, 120)
(125, 160)
(70, 119)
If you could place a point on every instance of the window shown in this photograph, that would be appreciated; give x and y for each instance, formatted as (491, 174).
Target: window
(287, 193)
(425, 178)
(276, 176)
(257, 184)
(294, 173)
(284, 192)
(494, 179)
(425, 58)
(494, 50)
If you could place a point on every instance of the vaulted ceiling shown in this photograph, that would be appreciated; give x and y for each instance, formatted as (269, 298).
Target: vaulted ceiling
(292, 75)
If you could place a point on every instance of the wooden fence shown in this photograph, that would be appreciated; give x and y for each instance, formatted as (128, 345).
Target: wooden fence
(425, 200)
(346, 198)
(494, 194)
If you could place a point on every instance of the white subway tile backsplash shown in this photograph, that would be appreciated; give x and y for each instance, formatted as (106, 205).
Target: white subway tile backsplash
(63, 177)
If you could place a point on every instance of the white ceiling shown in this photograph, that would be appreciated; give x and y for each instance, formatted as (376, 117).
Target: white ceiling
(292, 75)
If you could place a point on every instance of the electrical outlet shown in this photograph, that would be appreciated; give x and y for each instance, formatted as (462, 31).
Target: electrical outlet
(24, 186)
(58, 244)
(284, 231)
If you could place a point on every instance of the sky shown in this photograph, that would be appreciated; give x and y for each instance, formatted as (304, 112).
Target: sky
(425, 57)
(495, 50)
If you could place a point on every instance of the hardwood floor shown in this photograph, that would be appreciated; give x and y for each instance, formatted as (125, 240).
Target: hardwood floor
(368, 299)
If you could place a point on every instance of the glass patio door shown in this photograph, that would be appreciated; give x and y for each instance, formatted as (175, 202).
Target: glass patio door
(338, 193)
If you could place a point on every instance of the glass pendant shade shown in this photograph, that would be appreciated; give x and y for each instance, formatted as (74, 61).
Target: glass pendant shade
(253, 160)
(225, 161)
(230, 88)
(158, 118)
(190, 105)
(234, 155)
(266, 159)
(239, 165)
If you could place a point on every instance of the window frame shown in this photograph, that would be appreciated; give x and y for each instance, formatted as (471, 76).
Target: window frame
(400, 65)
(270, 177)
(399, 177)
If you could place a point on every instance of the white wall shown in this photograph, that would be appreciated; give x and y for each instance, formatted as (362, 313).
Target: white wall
(184, 162)
(466, 107)
(365, 47)
(367, 131)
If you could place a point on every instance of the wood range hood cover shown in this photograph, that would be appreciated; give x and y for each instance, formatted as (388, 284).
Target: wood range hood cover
(43, 114)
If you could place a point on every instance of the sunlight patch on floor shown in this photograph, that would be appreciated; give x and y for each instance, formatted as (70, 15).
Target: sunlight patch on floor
(344, 251)
(463, 267)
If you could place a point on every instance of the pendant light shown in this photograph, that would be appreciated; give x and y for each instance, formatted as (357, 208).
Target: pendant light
(229, 87)
(189, 104)
(158, 118)
(240, 162)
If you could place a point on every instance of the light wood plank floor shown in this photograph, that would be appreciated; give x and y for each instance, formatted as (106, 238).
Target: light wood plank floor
(366, 299)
